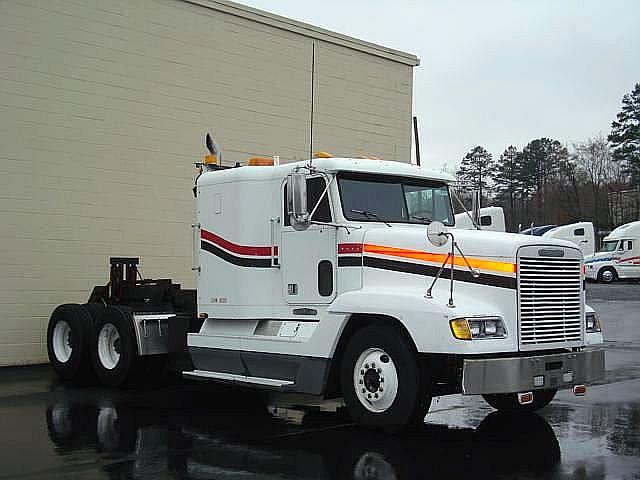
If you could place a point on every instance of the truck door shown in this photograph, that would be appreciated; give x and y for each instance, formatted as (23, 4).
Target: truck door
(308, 257)
(629, 262)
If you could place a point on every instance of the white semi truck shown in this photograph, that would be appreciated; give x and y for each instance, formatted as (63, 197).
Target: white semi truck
(342, 277)
(619, 256)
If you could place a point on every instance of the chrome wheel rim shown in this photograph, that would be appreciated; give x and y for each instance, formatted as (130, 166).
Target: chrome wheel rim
(375, 380)
(109, 346)
(62, 341)
(607, 275)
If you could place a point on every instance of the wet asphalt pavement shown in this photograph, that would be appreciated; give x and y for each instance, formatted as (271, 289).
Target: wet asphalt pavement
(194, 430)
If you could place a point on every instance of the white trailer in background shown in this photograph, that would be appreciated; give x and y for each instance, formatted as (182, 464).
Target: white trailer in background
(581, 233)
(491, 218)
(619, 256)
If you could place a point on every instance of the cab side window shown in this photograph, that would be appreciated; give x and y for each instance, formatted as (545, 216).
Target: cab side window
(579, 232)
(315, 187)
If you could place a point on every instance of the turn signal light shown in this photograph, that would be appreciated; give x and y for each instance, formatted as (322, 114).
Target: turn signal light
(210, 160)
(579, 390)
(525, 398)
(460, 328)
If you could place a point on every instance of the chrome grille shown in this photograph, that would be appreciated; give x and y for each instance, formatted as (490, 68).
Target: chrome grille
(550, 299)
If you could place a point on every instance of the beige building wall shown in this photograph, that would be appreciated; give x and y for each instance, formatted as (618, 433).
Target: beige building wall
(103, 109)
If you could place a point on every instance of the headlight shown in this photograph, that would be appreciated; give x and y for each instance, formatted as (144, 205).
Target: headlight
(593, 322)
(476, 328)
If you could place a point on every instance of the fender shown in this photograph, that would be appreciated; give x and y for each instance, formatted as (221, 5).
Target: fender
(413, 310)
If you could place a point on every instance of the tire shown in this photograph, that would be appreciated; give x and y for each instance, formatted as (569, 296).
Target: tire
(395, 391)
(69, 336)
(607, 275)
(95, 310)
(508, 402)
(115, 353)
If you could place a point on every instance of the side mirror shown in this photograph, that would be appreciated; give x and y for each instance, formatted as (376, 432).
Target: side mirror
(297, 200)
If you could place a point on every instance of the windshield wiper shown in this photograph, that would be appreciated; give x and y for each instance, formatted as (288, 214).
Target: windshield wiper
(425, 220)
(368, 214)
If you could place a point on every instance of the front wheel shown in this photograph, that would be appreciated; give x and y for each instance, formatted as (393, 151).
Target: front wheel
(508, 402)
(381, 379)
(607, 275)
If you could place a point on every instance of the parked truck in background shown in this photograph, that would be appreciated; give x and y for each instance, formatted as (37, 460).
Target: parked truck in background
(619, 256)
(582, 234)
(342, 277)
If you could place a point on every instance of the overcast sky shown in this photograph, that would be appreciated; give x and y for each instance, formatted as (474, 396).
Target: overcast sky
(496, 73)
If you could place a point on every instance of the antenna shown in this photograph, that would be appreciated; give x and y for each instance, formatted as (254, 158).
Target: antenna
(417, 139)
(313, 100)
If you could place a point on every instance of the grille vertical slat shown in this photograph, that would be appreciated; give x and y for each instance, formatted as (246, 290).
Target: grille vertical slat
(549, 299)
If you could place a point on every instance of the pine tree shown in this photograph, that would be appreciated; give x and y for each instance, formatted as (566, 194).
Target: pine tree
(541, 162)
(506, 176)
(476, 169)
(507, 180)
(625, 134)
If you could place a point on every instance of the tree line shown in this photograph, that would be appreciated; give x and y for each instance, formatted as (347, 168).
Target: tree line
(545, 182)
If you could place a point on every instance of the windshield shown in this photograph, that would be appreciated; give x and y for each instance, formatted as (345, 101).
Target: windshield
(609, 246)
(381, 198)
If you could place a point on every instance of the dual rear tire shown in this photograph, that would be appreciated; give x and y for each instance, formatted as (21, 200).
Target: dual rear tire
(68, 342)
(93, 342)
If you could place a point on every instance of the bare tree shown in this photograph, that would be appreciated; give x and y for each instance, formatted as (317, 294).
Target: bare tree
(593, 158)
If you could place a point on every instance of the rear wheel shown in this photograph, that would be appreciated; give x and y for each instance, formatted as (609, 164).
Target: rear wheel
(508, 402)
(382, 383)
(115, 352)
(68, 342)
(607, 275)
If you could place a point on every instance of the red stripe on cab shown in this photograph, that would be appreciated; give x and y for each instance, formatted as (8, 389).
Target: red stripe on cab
(349, 248)
(235, 248)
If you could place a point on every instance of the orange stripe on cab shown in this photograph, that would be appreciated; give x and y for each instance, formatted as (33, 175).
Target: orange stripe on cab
(479, 263)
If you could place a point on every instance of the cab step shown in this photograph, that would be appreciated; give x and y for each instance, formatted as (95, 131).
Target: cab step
(235, 378)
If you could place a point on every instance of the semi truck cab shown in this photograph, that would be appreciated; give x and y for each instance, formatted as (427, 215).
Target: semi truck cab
(619, 257)
(343, 277)
(315, 277)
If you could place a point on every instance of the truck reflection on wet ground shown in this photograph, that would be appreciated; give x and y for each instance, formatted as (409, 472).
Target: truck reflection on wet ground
(198, 430)
(191, 435)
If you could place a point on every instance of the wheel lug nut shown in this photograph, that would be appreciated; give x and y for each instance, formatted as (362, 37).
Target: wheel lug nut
(366, 365)
(373, 365)
(380, 389)
(379, 370)
(369, 395)
(361, 372)
(361, 382)
(381, 379)
(375, 395)
(363, 390)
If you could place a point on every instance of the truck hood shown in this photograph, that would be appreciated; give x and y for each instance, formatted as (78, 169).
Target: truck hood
(598, 256)
(476, 244)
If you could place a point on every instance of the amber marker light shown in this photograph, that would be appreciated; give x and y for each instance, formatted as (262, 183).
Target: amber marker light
(460, 328)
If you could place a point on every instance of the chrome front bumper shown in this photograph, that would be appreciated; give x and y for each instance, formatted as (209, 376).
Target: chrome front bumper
(521, 374)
